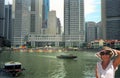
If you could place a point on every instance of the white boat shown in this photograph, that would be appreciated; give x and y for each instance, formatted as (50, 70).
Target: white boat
(13, 67)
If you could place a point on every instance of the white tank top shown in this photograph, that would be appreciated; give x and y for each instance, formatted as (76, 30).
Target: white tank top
(109, 72)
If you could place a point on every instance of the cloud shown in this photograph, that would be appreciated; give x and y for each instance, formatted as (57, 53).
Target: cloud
(91, 6)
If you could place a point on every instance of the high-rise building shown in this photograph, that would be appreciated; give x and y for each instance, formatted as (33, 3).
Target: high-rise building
(111, 19)
(8, 22)
(36, 17)
(58, 26)
(99, 30)
(21, 21)
(2, 17)
(52, 23)
(74, 22)
(91, 31)
(27, 19)
(45, 13)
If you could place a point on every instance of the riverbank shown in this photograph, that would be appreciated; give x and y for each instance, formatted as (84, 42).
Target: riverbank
(52, 49)
(91, 50)
(49, 49)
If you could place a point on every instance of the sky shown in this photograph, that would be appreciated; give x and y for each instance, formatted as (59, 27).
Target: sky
(92, 9)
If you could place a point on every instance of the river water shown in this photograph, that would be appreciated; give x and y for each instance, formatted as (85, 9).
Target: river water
(46, 65)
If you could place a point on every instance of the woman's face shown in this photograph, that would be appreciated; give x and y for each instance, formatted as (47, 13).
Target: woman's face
(105, 55)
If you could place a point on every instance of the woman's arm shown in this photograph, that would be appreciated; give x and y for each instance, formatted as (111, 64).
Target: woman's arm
(96, 72)
(116, 62)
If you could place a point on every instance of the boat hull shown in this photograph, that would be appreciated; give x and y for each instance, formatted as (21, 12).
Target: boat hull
(14, 72)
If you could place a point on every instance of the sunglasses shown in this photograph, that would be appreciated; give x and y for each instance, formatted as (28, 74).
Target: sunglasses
(107, 52)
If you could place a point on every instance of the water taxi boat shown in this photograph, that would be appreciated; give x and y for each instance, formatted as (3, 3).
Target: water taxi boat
(13, 67)
(67, 56)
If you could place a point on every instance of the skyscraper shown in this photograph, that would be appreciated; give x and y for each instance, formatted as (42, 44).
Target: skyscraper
(91, 31)
(74, 22)
(52, 23)
(8, 22)
(36, 17)
(58, 26)
(27, 19)
(2, 17)
(45, 13)
(111, 19)
(21, 21)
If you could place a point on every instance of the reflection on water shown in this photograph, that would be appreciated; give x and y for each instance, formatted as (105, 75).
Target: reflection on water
(59, 72)
(46, 65)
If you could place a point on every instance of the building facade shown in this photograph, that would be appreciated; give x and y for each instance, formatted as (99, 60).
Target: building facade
(38, 40)
(59, 26)
(45, 13)
(99, 30)
(36, 11)
(74, 22)
(27, 19)
(52, 23)
(21, 21)
(8, 22)
(2, 17)
(91, 31)
(111, 19)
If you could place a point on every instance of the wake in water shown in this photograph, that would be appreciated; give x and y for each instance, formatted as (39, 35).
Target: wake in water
(49, 56)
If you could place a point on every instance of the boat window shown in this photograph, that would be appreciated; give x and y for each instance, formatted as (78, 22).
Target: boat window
(17, 66)
(13, 67)
(9, 67)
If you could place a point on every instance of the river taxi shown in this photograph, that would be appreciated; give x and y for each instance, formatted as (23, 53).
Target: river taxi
(70, 56)
(13, 67)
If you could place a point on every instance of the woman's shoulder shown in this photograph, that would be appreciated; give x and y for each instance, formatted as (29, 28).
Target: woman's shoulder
(99, 63)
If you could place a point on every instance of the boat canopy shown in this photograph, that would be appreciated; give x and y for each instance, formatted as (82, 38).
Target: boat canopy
(12, 63)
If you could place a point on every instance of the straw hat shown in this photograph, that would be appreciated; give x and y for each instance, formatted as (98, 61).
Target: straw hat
(113, 52)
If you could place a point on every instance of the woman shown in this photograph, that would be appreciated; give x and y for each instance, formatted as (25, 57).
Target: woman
(106, 67)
